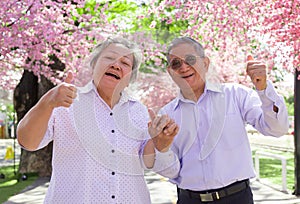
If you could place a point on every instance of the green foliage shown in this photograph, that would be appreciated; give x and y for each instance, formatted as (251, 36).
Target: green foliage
(88, 8)
(145, 69)
(278, 74)
(122, 13)
(132, 18)
(161, 27)
(162, 22)
(9, 110)
(289, 101)
(93, 8)
(120, 10)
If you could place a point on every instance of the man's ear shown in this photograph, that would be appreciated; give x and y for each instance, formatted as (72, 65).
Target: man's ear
(206, 61)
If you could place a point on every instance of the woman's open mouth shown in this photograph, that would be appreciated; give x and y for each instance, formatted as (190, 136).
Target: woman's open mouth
(113, 75)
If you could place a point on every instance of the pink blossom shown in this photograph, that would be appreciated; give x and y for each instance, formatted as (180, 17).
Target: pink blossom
(153, 24)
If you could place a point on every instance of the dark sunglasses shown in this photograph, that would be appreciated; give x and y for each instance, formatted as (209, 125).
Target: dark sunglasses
(176, 63)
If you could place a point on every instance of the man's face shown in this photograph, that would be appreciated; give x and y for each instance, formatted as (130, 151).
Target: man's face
(187, 68)
(113, 68)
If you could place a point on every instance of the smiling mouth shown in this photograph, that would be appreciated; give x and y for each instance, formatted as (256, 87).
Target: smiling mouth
(113, 75)
(187, 76)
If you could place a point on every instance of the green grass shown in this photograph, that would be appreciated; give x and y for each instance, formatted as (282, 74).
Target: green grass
(270, 169)
(12, 184)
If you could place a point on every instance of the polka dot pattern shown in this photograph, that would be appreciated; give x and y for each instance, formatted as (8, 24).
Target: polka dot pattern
(77, 176)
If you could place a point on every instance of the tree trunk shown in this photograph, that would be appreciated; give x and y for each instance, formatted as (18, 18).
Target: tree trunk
(297, 132)
(26, 95)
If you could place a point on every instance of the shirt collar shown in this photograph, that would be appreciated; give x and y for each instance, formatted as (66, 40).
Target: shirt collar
(209, 86)
(90, 86)
(87, 88)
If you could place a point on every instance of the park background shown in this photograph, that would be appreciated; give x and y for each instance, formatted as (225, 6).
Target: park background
(41, 40)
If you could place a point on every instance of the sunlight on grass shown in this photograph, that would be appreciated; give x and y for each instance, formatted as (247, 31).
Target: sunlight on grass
(11, 184)
(8, 183)
(270, 169)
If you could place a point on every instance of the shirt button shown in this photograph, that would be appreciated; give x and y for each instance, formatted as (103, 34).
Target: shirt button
(113, 151)
(112, 131)
(111, 114)
(112, 196)
(113, 173)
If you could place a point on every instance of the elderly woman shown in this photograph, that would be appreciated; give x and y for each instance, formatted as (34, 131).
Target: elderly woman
(101, 135)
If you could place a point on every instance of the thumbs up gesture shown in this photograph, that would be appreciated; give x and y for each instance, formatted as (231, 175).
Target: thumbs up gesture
(162, 130)
(257, 72)
(63, 94)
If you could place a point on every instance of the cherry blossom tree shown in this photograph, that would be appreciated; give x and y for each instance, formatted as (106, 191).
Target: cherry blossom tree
(231, 29)
(35, 33)
(40, 40)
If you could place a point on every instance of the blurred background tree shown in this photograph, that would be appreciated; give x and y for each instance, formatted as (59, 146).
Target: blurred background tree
(41, 40)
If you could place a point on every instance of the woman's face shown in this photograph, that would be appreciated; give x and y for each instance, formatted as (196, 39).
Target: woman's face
(113, 68)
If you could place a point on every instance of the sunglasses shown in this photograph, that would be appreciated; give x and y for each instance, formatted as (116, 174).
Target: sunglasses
(176, 63)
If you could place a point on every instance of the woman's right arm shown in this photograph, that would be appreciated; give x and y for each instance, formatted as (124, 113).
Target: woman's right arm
(33, 126)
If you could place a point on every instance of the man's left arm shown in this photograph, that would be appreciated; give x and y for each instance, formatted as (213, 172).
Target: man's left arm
(273, 105)
(274, 110)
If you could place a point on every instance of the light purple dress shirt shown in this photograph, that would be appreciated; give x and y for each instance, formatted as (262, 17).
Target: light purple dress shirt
(212, 144)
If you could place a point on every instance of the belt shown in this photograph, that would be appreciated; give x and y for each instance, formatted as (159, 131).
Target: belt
(213, 195)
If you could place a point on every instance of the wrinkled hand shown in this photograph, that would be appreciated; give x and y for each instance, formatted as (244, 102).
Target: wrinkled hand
(162, 130)
(63, 94)
(257, 72)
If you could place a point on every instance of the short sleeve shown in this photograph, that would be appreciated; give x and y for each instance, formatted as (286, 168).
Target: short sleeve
(48, 137)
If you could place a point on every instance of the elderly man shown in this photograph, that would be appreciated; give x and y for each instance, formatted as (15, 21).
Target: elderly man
(212, 144)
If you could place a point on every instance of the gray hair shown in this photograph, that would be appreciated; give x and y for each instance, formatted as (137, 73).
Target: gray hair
(186, 40)
(137, 56)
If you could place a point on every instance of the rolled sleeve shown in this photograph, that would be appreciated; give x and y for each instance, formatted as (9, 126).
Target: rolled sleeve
(269, 97)
(279, 120)
(48, 137)
(166, 164)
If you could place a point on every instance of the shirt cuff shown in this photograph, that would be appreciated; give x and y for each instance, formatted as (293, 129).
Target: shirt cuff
(163, 160)
(268, 97)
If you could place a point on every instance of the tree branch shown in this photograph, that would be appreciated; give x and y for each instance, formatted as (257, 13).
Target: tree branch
(12, 23)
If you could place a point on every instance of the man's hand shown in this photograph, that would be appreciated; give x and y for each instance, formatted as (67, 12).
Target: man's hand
(63, 94)
(162, 130)
(257, 72)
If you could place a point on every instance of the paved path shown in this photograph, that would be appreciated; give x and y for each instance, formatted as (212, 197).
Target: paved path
(264, 194)
(162, 191)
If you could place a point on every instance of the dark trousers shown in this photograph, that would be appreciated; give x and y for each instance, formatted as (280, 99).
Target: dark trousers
(243, 197)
